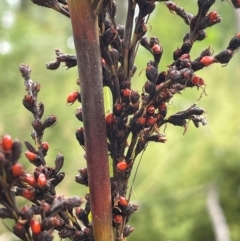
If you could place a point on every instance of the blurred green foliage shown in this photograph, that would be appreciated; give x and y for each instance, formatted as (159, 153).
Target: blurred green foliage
(174, 177)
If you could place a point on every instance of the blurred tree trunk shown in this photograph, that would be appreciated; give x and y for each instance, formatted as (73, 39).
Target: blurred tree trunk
(217, 216)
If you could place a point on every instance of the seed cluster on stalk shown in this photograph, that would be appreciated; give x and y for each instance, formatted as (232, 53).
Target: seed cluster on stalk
(48, 211)
(134, 120)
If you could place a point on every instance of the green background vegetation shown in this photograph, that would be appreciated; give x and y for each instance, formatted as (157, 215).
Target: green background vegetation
(173, 179)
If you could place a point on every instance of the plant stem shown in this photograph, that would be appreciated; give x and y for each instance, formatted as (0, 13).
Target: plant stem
(127, 37)
(86, 39)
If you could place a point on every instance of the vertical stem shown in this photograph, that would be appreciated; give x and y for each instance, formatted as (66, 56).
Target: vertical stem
(127, 37)
(86, 39)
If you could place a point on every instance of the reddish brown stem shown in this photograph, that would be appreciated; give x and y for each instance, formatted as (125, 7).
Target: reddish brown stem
(86, 39)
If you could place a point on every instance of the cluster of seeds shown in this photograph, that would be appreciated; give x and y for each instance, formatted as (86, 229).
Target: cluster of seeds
(36, 222)
(134, 120)
(48, 211)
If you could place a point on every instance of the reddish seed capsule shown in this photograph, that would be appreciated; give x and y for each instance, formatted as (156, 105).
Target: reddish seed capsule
(17, 170)
(50, 222)
(28, 193)
(29, 103)
(151, 121)
(117, 109)
(44, 148)
(156, 49)
(25, 209)
(29, 98)
(151, 109)
(103, 61)
(123, 201)
(31, 156)
(126, 92)
(213, 16)
(171, 6)
(117, 219)
(45, 206)
(57, 221)
(207, 60)
(109, 119)
(141, 120)
(35, 226)
(29, 179)
(72, 97)
(122, 166)
(197, 80)
(185, 56)
(7, 142)
(42, 180)
(45, 145)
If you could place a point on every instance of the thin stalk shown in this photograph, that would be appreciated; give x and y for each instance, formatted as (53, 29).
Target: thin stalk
(127, 36)
(86, 39)
(107, 107)
(134, 49)
(132, 145)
